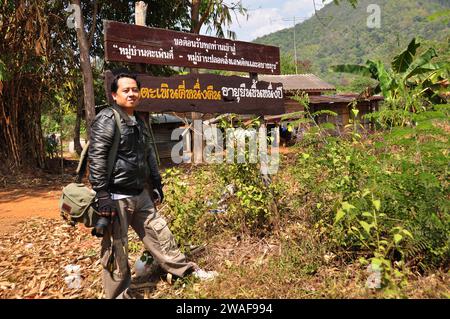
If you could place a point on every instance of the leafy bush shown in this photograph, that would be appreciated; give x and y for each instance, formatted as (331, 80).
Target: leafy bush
(186, 208)
(406, 169)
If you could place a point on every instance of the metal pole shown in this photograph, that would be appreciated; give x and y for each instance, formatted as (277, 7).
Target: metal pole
(295, 41)
(61, 145)
(295, 50)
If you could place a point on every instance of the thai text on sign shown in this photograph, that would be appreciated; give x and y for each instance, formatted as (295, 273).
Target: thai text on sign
(140, 44)
(207, 93)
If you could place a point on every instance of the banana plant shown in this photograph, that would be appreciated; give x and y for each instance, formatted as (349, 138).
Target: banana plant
(407, 72)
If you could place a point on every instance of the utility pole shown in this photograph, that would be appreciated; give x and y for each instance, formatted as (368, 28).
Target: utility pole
(293, 19)
(295, 49)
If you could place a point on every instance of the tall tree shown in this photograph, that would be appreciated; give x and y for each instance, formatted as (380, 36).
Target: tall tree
(89, 15)
(32, 60)
(85, 63)
(215, 14)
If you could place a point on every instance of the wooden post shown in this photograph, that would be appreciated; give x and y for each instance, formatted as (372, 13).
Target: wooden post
(140, 15)
(187, 149)
(197, 133)
(277, 134)
(62, 149)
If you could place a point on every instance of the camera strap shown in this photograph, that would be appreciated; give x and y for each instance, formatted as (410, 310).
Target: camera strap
(81, 169)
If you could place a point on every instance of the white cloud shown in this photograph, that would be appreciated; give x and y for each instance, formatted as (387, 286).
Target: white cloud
(268, 16)
(304, 7)
(261, 22)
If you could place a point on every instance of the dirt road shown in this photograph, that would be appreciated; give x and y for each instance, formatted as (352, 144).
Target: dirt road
(18, 204)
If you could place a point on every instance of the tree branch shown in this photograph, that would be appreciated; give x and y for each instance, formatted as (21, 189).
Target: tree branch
(94, 24)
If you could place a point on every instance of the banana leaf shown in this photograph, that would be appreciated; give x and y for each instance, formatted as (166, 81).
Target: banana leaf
(421, 61)
(401, 62)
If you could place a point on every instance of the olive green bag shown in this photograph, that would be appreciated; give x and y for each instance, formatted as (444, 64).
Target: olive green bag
(77, 202)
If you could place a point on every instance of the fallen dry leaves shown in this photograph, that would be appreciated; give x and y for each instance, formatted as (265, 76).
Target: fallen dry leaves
(32, 260)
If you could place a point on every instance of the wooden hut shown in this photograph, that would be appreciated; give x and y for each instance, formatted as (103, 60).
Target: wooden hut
(320, 98)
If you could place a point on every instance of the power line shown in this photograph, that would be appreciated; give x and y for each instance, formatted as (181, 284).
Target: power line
(293, 19)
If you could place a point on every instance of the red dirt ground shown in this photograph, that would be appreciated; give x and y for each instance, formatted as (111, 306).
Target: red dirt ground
(18, 204)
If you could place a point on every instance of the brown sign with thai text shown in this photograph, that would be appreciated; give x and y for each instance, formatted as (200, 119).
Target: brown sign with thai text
(206, 93)
(140, 44)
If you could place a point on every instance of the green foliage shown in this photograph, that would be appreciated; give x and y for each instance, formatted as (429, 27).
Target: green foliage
(406, 171)
(353, 3)
(411, 86)
(397, 84)
(53, 123)
(255, 207)
(401, 62)
(367, 229)
(379, 200)
(3, 70)
(217, 15)
(388, 118)
(443, 16)
(287, 64)
(355, 84)
(185, 205)
(331, 38)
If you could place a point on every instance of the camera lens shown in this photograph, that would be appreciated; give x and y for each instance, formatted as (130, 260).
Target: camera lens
(99, 229)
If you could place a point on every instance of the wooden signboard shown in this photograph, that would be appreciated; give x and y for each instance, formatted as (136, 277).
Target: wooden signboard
(140, 44)
(206, 93)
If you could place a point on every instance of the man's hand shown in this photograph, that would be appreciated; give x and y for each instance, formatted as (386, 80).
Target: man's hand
(158, 195)
(106, 206)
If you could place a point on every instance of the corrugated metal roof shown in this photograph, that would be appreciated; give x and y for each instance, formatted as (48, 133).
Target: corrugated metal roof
(342, 98)
(164, 118)
(304, 82)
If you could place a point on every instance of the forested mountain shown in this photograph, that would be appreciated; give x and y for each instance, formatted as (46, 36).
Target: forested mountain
(340, 34)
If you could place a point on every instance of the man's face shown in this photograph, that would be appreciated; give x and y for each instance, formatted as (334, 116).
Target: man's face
(127, 94)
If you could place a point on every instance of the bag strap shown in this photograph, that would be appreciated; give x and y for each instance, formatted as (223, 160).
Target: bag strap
(81, 169)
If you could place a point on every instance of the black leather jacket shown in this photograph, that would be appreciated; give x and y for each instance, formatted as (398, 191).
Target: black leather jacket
(135, 164)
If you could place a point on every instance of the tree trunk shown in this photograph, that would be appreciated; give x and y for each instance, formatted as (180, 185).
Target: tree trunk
(195, 16)
(198, 134)
(22, 97)
(76, 131)
(140, 16)
(140, 13)
(22, 144)
(86, 69)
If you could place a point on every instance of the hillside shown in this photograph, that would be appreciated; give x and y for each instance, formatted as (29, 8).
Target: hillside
(339, 34)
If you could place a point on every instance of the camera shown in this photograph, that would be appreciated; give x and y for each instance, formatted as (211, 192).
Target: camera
(100, 226)
(156, 196)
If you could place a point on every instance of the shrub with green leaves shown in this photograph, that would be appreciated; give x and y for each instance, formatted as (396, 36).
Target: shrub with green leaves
(406, 169)
(184, 199)
(253, 209)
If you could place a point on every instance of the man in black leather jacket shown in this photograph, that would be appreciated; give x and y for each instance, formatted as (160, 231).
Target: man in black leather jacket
(124, 199)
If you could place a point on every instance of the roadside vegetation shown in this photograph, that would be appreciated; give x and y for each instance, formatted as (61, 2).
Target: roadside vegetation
(354, 213)
(348, 209)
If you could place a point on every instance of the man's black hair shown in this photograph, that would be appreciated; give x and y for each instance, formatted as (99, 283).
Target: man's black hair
(115, 86)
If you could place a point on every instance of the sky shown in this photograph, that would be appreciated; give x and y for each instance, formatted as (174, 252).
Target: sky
(268, 16)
